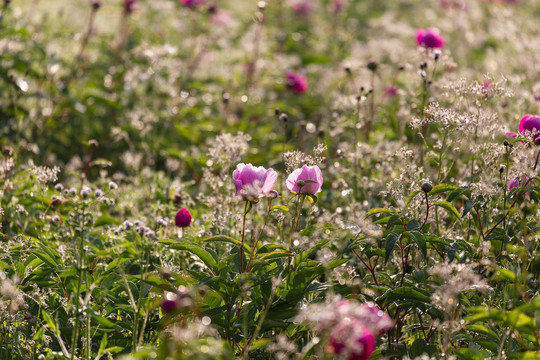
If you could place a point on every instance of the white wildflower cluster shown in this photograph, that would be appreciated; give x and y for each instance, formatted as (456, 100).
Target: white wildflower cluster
(227, 149)
(325, 317)
(45, 174)
(409, 179)
(281, 347)
(485, 90)
(6, 165)
(296, 159)
(454, 278)
(446, 118)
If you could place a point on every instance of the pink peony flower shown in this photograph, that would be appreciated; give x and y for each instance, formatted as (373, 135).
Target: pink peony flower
(182, 218)
(353, 340)
(248, 178)
(430, 38)
(530, 123)
(310, 175)
(296, 82)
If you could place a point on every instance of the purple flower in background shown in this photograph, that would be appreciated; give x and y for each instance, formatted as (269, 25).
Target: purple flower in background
(430, 38)
(252, 179)
(307, 180)
(182, 218)
(296, 82)
(192, 4)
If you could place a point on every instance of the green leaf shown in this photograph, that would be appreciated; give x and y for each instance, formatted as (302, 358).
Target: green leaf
(419, 239)
(106, 220)
(471, 354)
(404, 293)
(204, 255)
(438, 189)
(482, 329)
(46, 258)
(376, 211)
(410, 197)
(448, 207)
(49, 321)
(227, 239)
(280, 207)
(501, 274)
(389, 246)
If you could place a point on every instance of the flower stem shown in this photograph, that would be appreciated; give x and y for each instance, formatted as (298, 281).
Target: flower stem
(260, 234)
(243, 236)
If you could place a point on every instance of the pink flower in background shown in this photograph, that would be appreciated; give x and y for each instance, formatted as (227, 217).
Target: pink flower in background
(530, 123)
(307, 180)
(303, 7)
(352, 339)
(182, 218)
(430, 38)
(248, 178)
(296, 82)
(515, 182)
(391, 91)
(337, 6)
(129, 6)
(192, 4)
(352, 327)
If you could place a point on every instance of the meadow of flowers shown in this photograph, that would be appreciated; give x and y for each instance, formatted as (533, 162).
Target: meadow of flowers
(281, 179)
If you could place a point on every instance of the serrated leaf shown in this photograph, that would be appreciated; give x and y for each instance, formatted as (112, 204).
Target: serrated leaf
(448, 207)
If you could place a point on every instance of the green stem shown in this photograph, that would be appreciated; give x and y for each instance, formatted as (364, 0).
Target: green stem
(243, 236)
(254, 247)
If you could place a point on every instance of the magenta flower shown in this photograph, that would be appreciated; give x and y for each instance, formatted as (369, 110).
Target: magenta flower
(353, 339)
(515, 182)
(192, 4)
(129, 6)
(430, 38)
(303, 8)
(182, 218)
(530, 123)
(252, 180)
(296, 82)
(307, 180)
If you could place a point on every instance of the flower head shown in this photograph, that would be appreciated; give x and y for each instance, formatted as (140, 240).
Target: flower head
(351, 339)
(182, 218)
(296, 82)
(430, 38)
(530, 123)
(517, 182)
(254, 181)
(306, 180)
